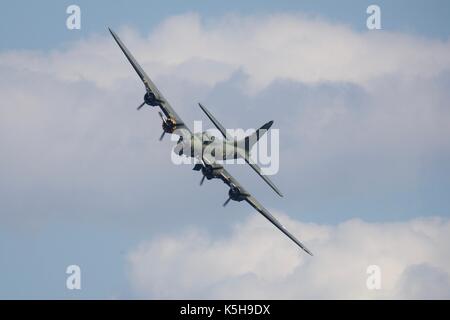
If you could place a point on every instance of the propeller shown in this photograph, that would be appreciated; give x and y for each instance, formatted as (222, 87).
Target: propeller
(206, 174)
(141, 105)
(164, 120)
(226, 202)
(150, 99)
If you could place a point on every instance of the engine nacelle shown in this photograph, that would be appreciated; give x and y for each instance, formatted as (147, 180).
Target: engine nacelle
(150, 99)
(235, 194)
(207, 138)
(208, 172)
(169, 125)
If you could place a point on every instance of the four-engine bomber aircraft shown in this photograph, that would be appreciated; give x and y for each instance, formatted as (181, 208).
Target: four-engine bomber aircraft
(205, 148)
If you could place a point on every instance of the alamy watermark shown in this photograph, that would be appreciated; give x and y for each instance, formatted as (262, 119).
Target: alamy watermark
(261, 147)
(73, 21)
(373, 22)
(373, 281)
(73, 281)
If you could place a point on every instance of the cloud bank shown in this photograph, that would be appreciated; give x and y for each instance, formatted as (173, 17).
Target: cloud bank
(265, 47)
(256, 262)
(363, 116)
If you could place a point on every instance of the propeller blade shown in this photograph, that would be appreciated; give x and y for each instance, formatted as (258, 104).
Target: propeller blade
(162, 135)
(226, 202)
(141, 105)
(203, 180)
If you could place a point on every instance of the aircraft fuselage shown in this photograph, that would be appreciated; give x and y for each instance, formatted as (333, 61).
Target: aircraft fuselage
(219, 149)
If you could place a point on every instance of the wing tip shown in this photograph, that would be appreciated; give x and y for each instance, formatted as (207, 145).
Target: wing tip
(279, 193)
(273, 186)
(114, 35)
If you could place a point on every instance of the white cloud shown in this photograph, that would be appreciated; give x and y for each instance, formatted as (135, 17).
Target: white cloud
(257, 261)
(423, 281)
(265, 47)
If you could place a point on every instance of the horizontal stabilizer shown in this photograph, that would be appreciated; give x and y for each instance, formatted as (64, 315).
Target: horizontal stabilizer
(257, 169)
(214, 120)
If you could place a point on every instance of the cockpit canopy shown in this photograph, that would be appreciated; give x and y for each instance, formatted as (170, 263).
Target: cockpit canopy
(207, 138)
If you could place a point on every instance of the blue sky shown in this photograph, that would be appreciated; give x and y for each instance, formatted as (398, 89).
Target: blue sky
(85, 181)
(39, 25)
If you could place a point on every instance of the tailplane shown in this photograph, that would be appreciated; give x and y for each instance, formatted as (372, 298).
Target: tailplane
(248, 141)
(255, 136)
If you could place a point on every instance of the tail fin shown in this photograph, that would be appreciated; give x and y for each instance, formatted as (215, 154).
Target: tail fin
(255, 136)
(249, 142)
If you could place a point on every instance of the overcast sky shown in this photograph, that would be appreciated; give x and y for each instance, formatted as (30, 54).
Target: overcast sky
(364, 152)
